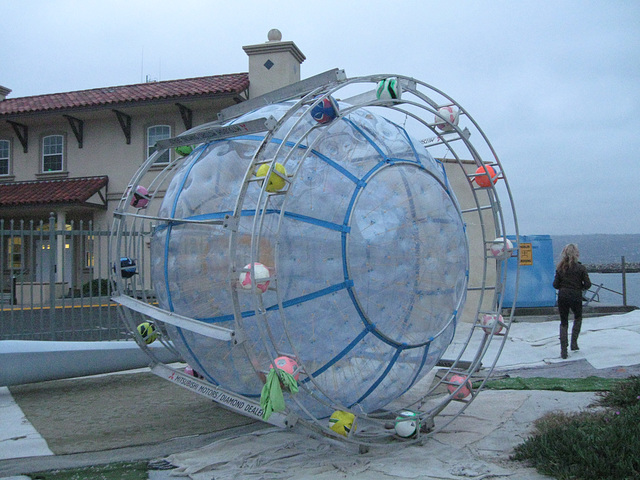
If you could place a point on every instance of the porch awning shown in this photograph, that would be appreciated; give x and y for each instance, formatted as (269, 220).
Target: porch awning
(82, 191)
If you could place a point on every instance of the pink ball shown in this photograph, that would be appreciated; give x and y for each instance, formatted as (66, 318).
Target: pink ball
(465, 391)
(449, 113)
(488, 321)
(260, 271)
(188, 370)
(140, 198)
(287, 364)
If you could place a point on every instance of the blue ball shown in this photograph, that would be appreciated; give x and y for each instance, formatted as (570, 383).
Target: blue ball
(127, 267)
(325, 111)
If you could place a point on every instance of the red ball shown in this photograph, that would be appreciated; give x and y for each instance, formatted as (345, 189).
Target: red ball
(465, 391)
(481, 178)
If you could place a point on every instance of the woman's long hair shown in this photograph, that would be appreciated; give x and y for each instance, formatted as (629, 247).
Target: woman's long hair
(568, 257)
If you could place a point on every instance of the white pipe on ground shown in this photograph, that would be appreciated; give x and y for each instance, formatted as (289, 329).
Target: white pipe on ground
(27, 361)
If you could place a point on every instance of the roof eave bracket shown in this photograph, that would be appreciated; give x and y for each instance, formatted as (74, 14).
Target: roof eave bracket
(77, 126)
(187, 116)
(125, 124)
(22, 132)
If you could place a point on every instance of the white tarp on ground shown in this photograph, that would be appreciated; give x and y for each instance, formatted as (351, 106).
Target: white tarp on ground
(605, 342)
(476, 445)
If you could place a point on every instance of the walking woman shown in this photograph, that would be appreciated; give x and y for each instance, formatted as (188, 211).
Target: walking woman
(571, 280)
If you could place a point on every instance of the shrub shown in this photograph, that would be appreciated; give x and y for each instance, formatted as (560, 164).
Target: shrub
(598, 445)
(96, 287)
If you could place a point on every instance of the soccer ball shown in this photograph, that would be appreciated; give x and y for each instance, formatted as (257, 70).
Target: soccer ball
(489, 320)
(261, 272)
(287, 364)
(342, 422)
(127, 267)
(501, 248)
(276, 182)
(449, 113)
(184, 150)
(465, 391)
(188, 370)
(325, 111)
(140, 197)
(407, 424)
(481, 176)
(389, 89)
(147, 331)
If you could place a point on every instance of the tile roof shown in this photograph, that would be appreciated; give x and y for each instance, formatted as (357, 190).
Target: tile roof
(47, 192)
(171, 89)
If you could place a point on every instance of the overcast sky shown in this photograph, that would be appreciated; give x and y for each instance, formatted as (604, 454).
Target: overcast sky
(555, 85)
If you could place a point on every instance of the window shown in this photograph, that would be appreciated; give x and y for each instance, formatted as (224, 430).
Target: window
(155, 133)
(5, 165)
(52, 157)
(14, 253)
(88, 253)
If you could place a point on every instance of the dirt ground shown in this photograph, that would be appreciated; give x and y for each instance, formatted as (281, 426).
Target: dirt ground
(88, 413)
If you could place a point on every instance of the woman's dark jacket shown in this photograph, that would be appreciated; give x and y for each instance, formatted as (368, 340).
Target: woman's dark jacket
(572, 281)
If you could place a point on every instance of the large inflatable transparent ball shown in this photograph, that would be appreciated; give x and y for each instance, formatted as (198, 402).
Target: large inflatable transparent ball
(365, 247)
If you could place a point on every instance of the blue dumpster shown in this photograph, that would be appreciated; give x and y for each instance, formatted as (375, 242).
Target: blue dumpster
(535, 287)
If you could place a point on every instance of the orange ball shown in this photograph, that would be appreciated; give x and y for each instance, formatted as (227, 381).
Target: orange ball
(482, 180)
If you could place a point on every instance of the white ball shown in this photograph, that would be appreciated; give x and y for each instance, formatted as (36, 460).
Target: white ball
(449, 113)
(501, 248)
(389, 89)
(407, 424)
(489, 320)
(261, 272)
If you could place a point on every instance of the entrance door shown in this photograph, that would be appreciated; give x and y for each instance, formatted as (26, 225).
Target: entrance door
(46, 260)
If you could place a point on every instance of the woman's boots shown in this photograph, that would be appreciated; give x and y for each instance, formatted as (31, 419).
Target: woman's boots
(564, 340)
(564, 337)
(575, 332)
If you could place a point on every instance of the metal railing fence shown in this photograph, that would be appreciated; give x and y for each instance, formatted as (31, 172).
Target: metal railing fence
(54, 282)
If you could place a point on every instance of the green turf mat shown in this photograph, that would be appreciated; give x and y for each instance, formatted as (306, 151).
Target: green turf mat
(588, 384)
(113, 471)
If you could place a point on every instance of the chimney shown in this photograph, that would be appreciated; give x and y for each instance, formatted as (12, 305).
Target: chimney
(4, 91)
(273, 64)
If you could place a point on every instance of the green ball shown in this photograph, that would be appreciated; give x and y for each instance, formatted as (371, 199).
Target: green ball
(184, 150)
(148, 332)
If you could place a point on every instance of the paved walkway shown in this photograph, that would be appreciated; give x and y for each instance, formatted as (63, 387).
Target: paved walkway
(138, 416)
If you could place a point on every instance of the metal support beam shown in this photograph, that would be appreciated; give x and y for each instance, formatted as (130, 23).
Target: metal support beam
(125, 124)
(281, 94)
(180, 321)
(218, 132)
(187, 116)
(226, 398)
(22, 132)
(77, 126)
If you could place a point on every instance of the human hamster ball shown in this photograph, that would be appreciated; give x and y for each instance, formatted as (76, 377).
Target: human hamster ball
(348, 255)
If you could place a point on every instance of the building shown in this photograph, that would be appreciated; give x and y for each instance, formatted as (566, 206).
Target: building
(66, 159)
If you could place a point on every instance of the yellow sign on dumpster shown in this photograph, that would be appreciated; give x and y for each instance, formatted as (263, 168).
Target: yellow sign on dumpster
(526, 254)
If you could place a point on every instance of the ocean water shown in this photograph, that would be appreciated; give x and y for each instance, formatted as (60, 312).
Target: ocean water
(613, 281)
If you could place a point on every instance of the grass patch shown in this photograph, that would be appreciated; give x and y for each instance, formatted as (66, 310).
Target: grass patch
(112, 471)
(588, 384)
(589, 445)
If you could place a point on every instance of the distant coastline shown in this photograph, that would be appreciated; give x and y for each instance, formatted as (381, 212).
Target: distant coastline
(632, 267)
(602, 249)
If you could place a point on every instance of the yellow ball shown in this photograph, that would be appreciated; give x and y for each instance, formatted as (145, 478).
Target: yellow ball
(275, 182)
(148, 332)
(342, 422)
